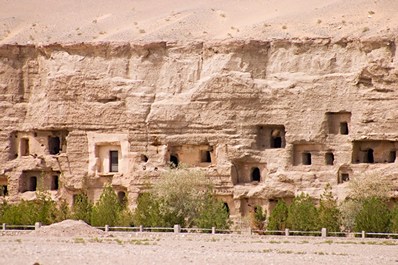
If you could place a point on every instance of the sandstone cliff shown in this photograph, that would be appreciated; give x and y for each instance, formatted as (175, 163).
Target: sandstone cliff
(264, 119)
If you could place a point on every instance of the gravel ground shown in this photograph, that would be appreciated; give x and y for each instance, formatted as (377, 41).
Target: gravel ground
(168, 248)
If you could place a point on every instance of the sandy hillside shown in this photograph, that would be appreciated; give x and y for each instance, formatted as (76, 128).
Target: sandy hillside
(48, 21)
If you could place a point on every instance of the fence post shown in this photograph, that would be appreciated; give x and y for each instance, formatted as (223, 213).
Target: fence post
(106, 228)
(363, 234)
(287, 232)
(141, 228)
(37, 225)
(324, 232)
(213, 230)
(177, 229)
(4, 227)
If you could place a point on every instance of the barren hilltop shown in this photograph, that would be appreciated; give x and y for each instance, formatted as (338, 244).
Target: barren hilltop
(47, 21)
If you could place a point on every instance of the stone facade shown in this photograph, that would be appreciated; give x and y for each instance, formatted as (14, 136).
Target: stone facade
(263, 119)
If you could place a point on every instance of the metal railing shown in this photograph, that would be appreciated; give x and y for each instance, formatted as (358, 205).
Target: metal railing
(178, 229)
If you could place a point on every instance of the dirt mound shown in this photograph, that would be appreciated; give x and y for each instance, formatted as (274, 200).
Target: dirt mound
(68, 228)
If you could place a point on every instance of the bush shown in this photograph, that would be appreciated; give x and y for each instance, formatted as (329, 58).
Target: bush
(302, 214)
(106, 211)
(373, 216)
(394, 220)
(213, 213)
(348, 212)
(181, 196)
(62, 211)
(148, 212)
(82, 208)
(42, 209)
(329, 214)
(278, 217)
(258, 218)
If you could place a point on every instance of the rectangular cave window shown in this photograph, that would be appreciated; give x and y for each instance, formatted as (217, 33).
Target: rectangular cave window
(343, 128)
(113, 161)
(392, 156)
(306, 158)
(3, 190)
(54, 145)
(329, 158)
(344, 177)
(24, 147)
(205, 156)
(54, 182)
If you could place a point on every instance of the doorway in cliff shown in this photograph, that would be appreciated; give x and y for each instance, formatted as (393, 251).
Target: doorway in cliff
(54, 145)
(121, 196)
(54, 182)
(369, 156)
(32, 184)
(174, 161)
(255, 176)
(24, 147)
(306, 158)
(329, 158)
(276, 139)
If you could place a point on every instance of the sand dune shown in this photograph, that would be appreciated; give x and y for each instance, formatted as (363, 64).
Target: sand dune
(47, 21)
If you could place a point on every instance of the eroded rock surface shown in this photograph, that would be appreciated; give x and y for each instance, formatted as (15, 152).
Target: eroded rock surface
(263, 119)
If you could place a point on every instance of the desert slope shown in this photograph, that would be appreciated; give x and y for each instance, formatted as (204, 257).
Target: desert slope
(48, 21)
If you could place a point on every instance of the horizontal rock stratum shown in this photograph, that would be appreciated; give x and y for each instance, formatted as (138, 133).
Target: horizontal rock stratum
(263, 119)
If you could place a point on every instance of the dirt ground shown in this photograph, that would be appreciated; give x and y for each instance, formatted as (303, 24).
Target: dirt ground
(169, 248)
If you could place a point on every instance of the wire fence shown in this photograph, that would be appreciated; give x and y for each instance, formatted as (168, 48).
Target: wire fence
(178, 229)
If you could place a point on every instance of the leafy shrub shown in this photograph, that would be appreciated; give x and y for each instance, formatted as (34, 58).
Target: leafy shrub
(328, 212)
(148, 211)
(213, 213)
(258, 218)
(82, 207)
(107, 209)
(394, 220)
(181, 196)
(42, 209)
(278, 217)
(302, 214)
(348, 212)
(373, 216)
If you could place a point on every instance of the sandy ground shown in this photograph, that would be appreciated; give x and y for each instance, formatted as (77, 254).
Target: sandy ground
(168, 248)
(48, 21)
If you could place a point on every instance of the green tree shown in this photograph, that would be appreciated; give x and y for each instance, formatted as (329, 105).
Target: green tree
(46, 208)
(181, 196)
(394, 219)
(212, 213)
(329, 213)
(63, 211)
(42, 209)
(278, 217)
(107, 209)
(365, 209)
(258, 218)
(82, 207)
(303, 215)
(148, 211)
(373, 216)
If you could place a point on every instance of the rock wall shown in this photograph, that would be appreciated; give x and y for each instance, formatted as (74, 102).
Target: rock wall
(263, 119)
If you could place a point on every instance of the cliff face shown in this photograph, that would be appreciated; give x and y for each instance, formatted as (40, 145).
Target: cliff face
(264, 119)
